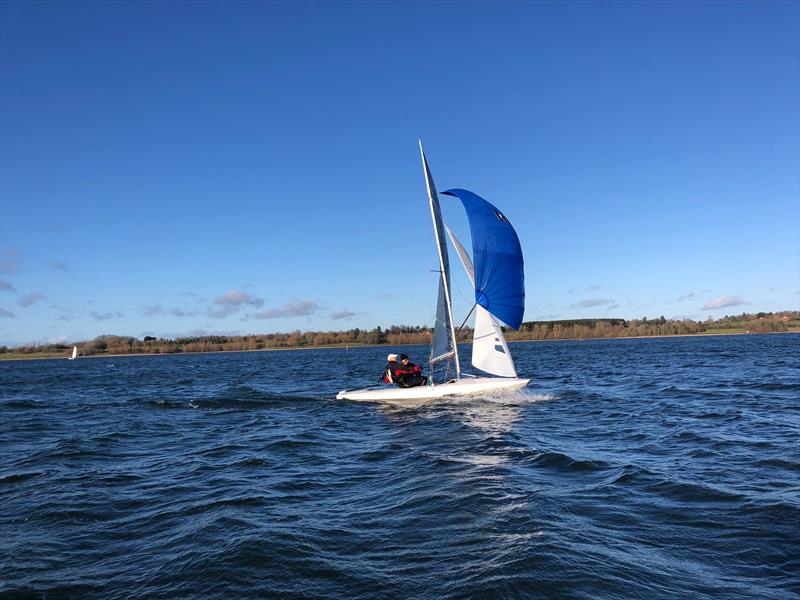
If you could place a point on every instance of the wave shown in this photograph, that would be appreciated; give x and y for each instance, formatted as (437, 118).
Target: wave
(682, 491)
(19, 477)
(779, 463)
(263, 401)
(23, 404)
(251, 399)
(770, 387)
(564, 462)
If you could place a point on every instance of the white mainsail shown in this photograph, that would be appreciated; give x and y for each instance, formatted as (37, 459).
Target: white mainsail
(490, 351)
(74, 353)
(443, 343)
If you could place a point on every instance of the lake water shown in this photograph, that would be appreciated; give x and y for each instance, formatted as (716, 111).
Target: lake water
(665, 468)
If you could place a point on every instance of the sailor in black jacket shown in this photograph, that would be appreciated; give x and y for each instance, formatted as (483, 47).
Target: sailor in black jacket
(408, 374)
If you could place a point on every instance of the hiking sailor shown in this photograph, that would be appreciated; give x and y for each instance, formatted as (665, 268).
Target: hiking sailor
(388, 375)
(408, 374)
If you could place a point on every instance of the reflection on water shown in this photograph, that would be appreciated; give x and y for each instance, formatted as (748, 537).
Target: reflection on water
(497, 413)
(491, 413)
(479, 424)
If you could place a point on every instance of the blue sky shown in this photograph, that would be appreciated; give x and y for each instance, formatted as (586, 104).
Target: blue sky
(177, 168)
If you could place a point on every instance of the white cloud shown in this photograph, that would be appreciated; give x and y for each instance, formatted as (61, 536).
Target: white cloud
(193, 333)
(689, 296)
(238, 298)
(156, 310)
(724, 302)
(231, 302)
(11, 262)
(152, 310)
(592, 302)
(342, 314)
(222, 312)
(297, 308)
(193, 296)
(98, 316)
(30, 299)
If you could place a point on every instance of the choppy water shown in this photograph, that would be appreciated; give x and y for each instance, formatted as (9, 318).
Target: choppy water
(662, 468)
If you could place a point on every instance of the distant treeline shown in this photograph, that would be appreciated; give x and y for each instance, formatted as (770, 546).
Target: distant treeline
(612, 328)
(403, 334)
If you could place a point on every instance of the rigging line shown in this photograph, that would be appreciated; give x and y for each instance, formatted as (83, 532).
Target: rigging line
(465, 319)
(461, 293)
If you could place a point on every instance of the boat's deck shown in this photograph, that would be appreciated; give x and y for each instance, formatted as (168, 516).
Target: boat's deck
(462, 387)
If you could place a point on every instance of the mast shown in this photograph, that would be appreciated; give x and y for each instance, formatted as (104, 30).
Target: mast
(441, 248)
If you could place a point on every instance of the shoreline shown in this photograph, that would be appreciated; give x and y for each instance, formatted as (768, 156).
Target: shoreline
(339, 347)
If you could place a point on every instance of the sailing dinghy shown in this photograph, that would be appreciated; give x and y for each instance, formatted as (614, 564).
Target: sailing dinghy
(74, 353)
(498, 279)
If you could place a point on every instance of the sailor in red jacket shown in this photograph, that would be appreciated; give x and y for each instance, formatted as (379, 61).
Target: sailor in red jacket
(388, 375)
(408, 374)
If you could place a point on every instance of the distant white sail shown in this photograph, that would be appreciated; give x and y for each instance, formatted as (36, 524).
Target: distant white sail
(489, 348)
(74, 353)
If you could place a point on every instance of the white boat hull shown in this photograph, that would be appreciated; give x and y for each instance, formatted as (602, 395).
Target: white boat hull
(463, 387)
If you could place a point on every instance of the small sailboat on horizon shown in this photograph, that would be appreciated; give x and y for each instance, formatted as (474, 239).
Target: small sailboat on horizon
(498, 278)
(74, 353)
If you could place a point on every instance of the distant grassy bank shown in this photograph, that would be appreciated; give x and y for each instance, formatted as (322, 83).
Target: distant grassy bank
(110, 345)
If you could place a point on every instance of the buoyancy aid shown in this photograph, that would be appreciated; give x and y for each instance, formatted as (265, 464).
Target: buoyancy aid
(389, 372)
(409, 375)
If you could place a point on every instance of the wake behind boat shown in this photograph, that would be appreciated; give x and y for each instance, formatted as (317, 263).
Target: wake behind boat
(498, 278)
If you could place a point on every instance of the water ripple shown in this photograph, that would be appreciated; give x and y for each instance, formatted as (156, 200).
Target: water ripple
(661, 468)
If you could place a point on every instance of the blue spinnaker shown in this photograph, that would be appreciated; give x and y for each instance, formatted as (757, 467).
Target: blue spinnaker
(499, 273)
